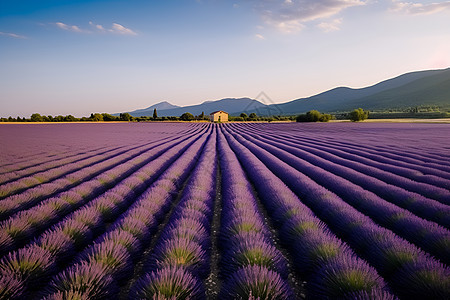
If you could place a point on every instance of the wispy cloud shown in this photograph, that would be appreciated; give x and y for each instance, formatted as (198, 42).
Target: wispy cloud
(73, 28)
(259, 36)
(115, 28)
(334, 25)
(13, 35)
(419, 8)
(290, 16)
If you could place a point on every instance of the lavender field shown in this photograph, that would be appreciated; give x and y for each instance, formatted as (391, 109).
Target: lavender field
(225, 211)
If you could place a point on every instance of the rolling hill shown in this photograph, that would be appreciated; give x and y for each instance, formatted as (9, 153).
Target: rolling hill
(230, 105)
(422, 88)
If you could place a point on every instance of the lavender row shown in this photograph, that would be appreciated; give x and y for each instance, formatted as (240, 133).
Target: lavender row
(376, 141)
(251, 264)
(77, 230)
(397, 166)
(180, 259)
(45, 142)
(411, 171)
(39, 169)
(410, 272)
(417, 204)
(54, 160)
(106, 264)
(35, 158)
(65, 171)
(439, 193)
(33, 196)
(17, 230)
(429, 236)
(321, 258)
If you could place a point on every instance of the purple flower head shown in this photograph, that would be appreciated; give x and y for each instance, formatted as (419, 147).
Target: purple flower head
(169, 283)
(30, 264)
(114, 257)
(181, 252)
(18, 229)
(197, 205)
(179, 232)
(423, 279)
(70, 197)
(374, 294)
(251, 252)
(6, 242)
(133, 182)
(198, 193)
(90, 217)
(243, 224)
(89, 279)
(58, 243)
(68, 295)
(297, 227)
(124, 238)
(142, 214)
(107, 208)
(192, 214)
(344, 275)
(11, 285)
(256, 282)
(316, 248)
(77, 231)
(190, 223)
(390, 257)
(136, 227)
(59, 205)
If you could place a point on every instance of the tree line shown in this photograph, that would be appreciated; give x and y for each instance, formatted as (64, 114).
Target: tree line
(311, 116)
(356, 115)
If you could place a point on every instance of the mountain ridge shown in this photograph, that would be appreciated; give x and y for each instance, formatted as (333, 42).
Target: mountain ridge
(427, 87)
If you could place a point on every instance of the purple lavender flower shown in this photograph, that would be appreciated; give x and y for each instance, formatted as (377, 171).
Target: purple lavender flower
(180, 252)
(89, 279)
(423, 279)
(168, 283)
(58, 243)
(11, 285)
(344, 275)
(257, 282)
(31, 264)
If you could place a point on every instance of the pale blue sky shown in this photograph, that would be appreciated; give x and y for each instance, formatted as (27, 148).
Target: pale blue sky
(77, 57)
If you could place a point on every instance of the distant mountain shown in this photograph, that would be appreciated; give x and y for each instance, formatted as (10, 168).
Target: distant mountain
(411, 89)
(230, 105)
(149, 110)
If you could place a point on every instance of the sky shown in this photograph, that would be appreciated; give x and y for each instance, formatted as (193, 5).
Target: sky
(60, 57)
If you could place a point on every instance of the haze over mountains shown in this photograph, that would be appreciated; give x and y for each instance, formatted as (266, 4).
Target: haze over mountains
(423, 88)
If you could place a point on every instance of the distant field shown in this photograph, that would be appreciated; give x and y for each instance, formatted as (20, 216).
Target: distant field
(225, 211)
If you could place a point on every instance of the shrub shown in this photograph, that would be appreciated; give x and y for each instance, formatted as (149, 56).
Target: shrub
(358, 115)
(187, 117)
(314, 116)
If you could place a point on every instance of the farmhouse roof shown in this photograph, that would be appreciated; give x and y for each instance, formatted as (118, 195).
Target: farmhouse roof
(215, 112)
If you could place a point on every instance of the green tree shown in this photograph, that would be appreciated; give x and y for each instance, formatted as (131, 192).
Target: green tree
(70, 118)
(125, 117)
(58, 118)
(36, 118)
(243, 116)
(108, 117)
(358, 115)
(252, 116)
(155, 114)
(314, 116)
(96, 117)
(187, 117)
